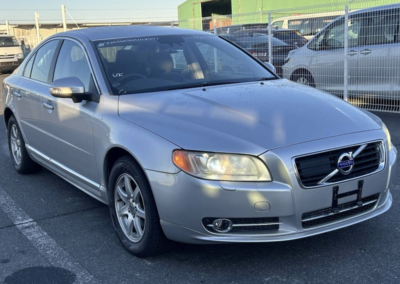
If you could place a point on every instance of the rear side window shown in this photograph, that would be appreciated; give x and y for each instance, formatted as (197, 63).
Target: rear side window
(43, 60)
(28, 67)
(383, 27)
(278, 24)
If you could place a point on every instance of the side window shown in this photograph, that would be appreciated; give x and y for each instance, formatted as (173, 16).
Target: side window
(72, 62)
(383, 28)
(333, 36)
(28, 67)
(43, 59)
(278, 24)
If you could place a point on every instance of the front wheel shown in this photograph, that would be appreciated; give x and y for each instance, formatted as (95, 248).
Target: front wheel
(133, 209)
(304, 78)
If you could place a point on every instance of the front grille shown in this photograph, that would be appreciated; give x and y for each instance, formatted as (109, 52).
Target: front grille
(343, 211)
(247, 225)
(314, 168)
(8, 56)
(8, 63)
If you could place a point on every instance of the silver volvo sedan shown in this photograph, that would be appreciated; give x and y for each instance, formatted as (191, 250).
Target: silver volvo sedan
(189, 138)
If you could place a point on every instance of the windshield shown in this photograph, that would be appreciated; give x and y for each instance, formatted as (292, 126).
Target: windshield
(8, 41)
(147, 64)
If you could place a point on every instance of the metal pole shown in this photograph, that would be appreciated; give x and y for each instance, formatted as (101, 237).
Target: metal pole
(37, 27)
(172, 24)
(346, 54)
(63, 17)
(270, 38)
(7, 27)
(215, 50)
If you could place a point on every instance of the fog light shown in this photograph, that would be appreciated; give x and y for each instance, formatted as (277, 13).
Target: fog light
(222, 225)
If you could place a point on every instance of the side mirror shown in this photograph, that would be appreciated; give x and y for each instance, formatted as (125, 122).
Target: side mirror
(73, 88)
(270, 66)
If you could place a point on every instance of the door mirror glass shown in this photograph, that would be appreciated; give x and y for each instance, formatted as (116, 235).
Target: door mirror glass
(71, 87)
(270, 66)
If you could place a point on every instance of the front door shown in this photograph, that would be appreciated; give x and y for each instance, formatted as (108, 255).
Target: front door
(68, 125)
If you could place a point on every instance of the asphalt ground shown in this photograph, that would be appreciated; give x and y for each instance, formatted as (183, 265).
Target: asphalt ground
(51, 232)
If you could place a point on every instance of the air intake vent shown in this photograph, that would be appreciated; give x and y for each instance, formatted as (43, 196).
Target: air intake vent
(344, 211)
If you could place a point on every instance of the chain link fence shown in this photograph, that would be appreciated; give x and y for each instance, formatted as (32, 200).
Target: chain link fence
(350, 49)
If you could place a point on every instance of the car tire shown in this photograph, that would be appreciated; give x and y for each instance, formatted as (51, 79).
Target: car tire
(133, 209)
(20, 158)
(303, 77)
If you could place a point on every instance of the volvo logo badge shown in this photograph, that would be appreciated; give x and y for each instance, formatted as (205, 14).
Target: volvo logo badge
(345, 163)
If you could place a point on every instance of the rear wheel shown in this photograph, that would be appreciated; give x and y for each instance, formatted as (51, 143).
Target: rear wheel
(16, 144)
(303, 77)
(133, 209)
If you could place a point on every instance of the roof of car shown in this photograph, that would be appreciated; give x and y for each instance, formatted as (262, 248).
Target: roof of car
(378, 8)
(114, 32)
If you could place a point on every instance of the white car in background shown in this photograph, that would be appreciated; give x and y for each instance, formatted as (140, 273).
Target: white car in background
(373, 55)
(11, 54)
(309, 24)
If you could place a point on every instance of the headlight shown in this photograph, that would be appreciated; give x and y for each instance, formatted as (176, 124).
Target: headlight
(287, 59)
(20, 56)
(226, 167)
(389, 140)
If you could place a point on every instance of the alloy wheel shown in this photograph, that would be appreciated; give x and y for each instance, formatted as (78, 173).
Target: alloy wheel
(16, 145)
(129, 207)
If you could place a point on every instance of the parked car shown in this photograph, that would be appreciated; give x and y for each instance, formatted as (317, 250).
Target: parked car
(182, 150)
(291, 37)
(257, 44)
(11, 54)
(374, 55)
(307, 24)
(235, 28)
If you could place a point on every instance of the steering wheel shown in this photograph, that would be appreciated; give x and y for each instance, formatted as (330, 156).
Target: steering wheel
(129, 78)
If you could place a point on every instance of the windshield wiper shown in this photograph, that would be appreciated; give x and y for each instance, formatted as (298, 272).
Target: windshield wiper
(267, 78)
(203, 84)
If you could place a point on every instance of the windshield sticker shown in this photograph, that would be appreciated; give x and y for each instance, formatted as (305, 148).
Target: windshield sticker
(118, 42)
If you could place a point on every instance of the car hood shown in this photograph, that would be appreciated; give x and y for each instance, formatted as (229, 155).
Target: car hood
(246, 118)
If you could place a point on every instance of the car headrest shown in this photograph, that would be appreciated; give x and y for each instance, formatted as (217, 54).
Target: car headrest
(163, 63)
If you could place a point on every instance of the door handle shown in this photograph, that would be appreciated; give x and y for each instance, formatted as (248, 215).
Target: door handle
(17, 94)
(353, 52)
(365, 51)
(48, 106)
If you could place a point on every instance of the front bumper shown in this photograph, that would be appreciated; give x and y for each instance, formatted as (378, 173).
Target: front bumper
(6, 65)
(184, 202)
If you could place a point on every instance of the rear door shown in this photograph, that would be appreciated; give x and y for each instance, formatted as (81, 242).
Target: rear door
(379, 58)
(28, 95)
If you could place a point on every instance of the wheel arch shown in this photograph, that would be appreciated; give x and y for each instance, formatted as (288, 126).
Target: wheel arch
(301, 70)
(7, 114)
(111, 157)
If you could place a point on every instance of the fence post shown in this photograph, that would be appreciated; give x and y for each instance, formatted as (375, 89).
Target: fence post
(269, 38)
(37, 27)
(7, 27)
(63, 17)
(346, 54)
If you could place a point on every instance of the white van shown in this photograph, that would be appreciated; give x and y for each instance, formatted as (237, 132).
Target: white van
(309, 24)
(11, 54)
